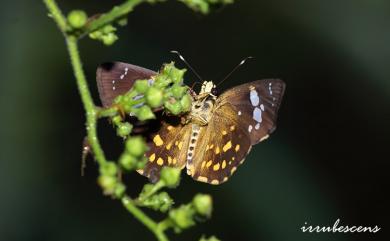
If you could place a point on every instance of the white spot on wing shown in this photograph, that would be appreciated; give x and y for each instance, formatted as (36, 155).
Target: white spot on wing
(270, 88)
(254, 97)
(239, 113)
(257, 114)
(262, 107)
(250, 127)
(257, 126)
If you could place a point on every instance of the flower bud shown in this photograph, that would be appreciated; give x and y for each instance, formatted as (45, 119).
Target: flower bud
(182, 217)
(145, 113)
(119, 190)
(186, 102)
(127, 161)
(124, 129)
(108, 169)
(107, 183)
(178, 91)
(154, 97)
(203, 204)
(141, 86)
(175, 108)
(170, 176)
(109, 39)
(136, 146)
(77, 19)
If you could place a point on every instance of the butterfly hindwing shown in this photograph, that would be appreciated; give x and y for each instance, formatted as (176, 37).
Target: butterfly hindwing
(221, 148)
(167, 147)
(116, 78)
(256, 104)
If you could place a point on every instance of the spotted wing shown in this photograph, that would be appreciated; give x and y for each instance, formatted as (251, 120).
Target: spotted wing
(116, 78)
(167, 147)
(256, 104)
(221, 147)
(242, 117)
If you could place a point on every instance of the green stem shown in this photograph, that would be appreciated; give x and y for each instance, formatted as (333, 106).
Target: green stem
(149, 223)
(116, 13)
(89, 106)
(57, 15)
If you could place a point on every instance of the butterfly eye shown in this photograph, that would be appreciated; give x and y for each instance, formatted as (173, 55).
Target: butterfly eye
(214, 91)
(197, 106)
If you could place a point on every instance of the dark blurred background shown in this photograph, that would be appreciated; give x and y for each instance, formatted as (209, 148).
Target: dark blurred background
(328, 159)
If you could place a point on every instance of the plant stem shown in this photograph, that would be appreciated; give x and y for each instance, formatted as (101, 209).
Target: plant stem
(56, 14)
(116, 13)
(89, 106)
(86, 98)
(149, 223)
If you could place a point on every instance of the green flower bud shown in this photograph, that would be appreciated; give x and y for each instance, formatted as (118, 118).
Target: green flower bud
(175, 108)
(203, 204)
(154, 97)
(145, 113)
(117, 120)
(141, 163)
(124, 129)
(160, 201)
(107, 183)
(119, 99)
(165, 201)
(186, 102)
(119, 190)
(212, 238)
(108, 169)
(170, 176)
(162, 81)
(182, 217)
(128, 162)
(141, 86)
(77, 19)
(178, 91)
(108, 29)
(109, 39)
(96, 34)
(122, 22)
(136, 146)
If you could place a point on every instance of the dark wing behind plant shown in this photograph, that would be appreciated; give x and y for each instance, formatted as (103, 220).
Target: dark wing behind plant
(116, 78)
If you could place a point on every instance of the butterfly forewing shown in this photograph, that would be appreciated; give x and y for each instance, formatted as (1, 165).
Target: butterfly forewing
(256, 104)
(116, 78)
(242, 117)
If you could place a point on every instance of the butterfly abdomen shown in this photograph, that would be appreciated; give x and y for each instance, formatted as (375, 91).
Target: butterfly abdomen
(191, 146)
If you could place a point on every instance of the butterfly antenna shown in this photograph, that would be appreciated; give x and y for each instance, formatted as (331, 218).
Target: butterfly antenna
(235, 68)
(189, 66)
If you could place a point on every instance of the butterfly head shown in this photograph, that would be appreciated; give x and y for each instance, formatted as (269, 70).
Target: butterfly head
(208, 87)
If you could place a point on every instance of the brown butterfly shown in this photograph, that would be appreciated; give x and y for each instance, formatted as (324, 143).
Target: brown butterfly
(211, 140)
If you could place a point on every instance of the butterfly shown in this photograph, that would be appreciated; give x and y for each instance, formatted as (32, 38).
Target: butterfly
(214, 137)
